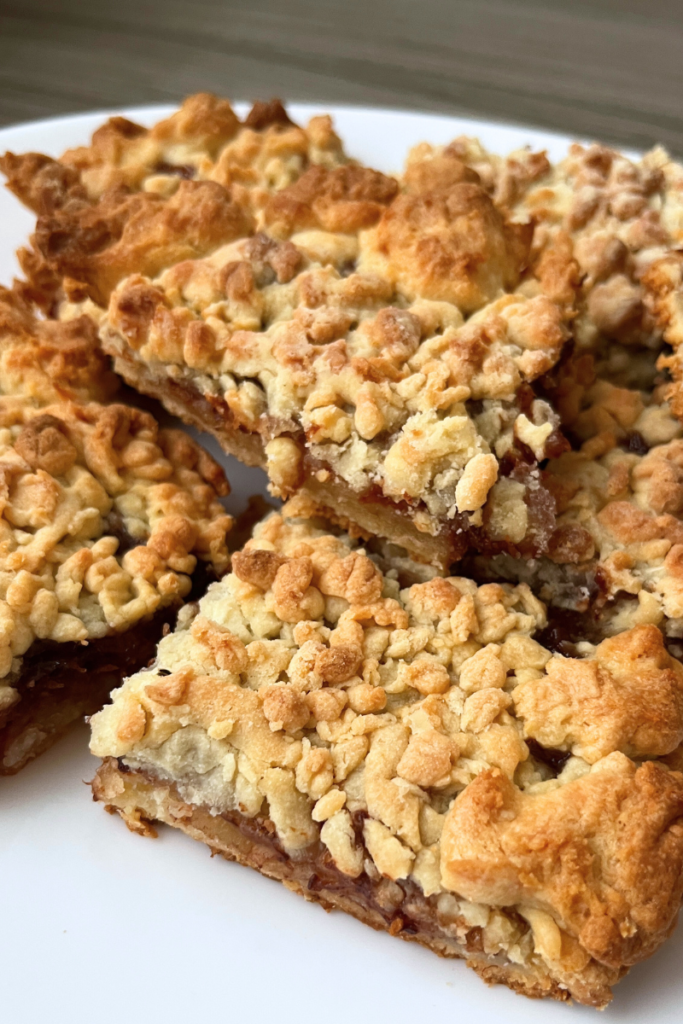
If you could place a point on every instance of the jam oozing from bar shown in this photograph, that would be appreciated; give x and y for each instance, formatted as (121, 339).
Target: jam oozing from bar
(567, 628)
(62, 682)
(400, 908)
(553, 759)
(636, 443)
(115, 527)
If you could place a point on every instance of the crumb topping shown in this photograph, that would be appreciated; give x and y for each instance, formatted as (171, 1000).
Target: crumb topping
(203, 140)
(590, 865)
(206, 140)
(451, 245)
(142, 199)
(626, 695)
(621, 512)
(390, 725)
(375, 391)
(620, 216)
(50, 360)
(103, 519)
(664, 284)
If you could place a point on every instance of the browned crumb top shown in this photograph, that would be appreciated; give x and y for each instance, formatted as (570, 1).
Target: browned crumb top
(310, 686)
(104, 516)
(50, 360)
(616, 506)
(139, 199)
(620, 217)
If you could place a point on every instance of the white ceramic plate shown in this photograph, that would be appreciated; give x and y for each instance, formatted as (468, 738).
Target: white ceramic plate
(98, 925)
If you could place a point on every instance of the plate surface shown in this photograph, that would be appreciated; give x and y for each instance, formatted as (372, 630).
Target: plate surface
(99, 925)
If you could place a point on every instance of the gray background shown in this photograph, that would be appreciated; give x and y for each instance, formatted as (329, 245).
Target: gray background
(609, 69)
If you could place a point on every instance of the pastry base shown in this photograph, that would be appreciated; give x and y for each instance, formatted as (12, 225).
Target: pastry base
(398, 908)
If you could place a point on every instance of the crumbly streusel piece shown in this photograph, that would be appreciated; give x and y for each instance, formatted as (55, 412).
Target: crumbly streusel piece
(664, 282)
(137, 199)
(619, 217)
(371, 347)
(105, 522)
(623, 511)
(618, 396)
(365, 742)
(333, 358)
(49, 360)
(622, 215)
(616, 546)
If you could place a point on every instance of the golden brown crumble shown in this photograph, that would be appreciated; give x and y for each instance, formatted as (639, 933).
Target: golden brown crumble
(619, 216)
(313, 690)
(664, 283)
(104, 517)
(450, 245)
(145, 199)
(50, 360)
(621, 512)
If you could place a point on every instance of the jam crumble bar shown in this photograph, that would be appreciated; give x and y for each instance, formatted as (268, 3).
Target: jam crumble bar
(413, 756)
(153, 197)
(369, 341)
(386, 416)
(106, 523)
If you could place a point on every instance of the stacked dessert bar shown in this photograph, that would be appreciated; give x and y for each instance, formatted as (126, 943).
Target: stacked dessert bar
(441, 688)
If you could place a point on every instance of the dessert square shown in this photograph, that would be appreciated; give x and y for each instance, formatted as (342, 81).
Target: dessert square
(138, 200)
(403, 747)
(395, 419)
(371, 342)
(108, 523)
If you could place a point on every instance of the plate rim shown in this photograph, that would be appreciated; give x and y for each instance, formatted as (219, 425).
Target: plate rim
(305, 108)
